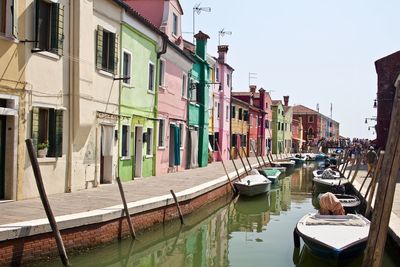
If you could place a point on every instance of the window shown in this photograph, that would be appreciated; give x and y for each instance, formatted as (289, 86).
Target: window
(184, 85)
(233, 112)
(107, 50)
(227, 113)
(126, 67)
(8, 19)
(310, 119)
(240, 114)
(151, 78)
(194, 90)
(251, 121)
(126, 141)
(228, 82)
(267, 124)
(47, 128)
(161, 78)
(218, 110)
(217, 74)
(149, 142)
(175, 24)
(211, 141)
(181, 134)
(244, 137)
(259, 121)
(161, 133)
(49, 26)
(246, 115)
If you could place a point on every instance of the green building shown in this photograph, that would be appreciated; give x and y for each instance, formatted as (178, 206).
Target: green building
(197, 144)
(278, 127)
(138, 99)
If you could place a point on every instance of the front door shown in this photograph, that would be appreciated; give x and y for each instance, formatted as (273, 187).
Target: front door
(138, 150)
(2, 154)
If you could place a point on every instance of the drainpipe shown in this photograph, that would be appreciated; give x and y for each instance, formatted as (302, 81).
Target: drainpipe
(71, 99)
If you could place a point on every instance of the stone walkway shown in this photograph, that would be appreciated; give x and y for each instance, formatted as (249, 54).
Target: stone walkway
(108, 195)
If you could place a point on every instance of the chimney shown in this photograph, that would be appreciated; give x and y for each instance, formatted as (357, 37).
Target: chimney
(253, 89)
(222, 52)
(262, 98)
(201, 44)
(286, 100)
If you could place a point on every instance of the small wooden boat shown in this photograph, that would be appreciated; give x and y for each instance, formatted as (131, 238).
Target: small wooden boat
(340, 236)
(271, 174)
(284, 163)
(328, 185)
(253, 185)
(334, 174)
(350, 203)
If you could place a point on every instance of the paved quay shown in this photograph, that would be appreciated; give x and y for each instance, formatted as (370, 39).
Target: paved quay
(27, 217)
(394, 224)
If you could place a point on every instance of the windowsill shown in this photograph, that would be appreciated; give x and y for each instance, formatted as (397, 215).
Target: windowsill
(126, 158)
(105, 73)
(184, 98)
(47, 160)
(8, 38)
(149, 156)
(181, 148)
(151, 92)
(161, 148)
(162, 87)
(48, 55)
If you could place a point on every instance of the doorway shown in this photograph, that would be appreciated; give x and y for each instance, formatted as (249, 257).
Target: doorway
(138, 151)
(2, 155)
(106, 154)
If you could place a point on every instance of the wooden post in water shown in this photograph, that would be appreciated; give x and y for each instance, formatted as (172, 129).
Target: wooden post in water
(45, 202)
(247, 159)
(177, 206)
(265, 164)
(252, 147)
(369, 194)
(226, 172)
(241, 159)
(126, 210)
(356, 170)
(234, 164)
(387, 184)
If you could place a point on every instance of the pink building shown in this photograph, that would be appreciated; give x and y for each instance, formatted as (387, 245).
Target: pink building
(220, 99)
(174, 67)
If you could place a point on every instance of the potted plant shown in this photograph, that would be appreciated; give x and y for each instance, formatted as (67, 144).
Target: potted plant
(42, 149)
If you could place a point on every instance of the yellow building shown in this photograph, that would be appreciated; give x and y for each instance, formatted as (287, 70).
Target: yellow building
(240, 125)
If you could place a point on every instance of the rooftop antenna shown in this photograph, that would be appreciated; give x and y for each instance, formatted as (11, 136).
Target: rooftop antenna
(318, 107)
(221, 33)
(252, 75)
(198, 9)
(331, 110)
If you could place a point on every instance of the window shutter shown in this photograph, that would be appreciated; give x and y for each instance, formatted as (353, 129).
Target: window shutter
(37, 15)
(99, 49)
(15, 18)
(59, 133)
(35, 126)
(54, 26)
(60, 30)
(116, 54)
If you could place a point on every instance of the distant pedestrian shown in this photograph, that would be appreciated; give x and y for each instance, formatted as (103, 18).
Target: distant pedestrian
(371, 159)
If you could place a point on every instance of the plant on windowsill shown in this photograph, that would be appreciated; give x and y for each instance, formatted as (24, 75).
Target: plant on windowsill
(42, 149)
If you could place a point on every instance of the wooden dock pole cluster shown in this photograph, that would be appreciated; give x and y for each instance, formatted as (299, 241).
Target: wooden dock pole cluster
(386, 177)
(46, 205)
(226, 171)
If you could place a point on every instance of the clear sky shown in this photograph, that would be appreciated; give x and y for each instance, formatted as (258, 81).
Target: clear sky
(314, 51)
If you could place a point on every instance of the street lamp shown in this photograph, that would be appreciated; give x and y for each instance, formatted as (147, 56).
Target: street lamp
(221, 33)
(197, 9)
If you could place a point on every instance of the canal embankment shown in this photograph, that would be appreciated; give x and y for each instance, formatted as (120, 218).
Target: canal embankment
(95, 217)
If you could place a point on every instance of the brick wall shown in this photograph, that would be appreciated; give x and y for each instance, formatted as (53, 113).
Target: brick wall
(42, 247)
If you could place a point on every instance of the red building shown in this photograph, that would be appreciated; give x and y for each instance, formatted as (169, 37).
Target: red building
(387, 69)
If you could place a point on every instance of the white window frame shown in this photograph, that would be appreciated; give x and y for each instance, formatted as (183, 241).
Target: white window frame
(184, 85)
(128, 142)
(227, 113)
(151, 91)
(130, 66)
(9, 19)
(217, 78)
(175, 25)
(161, 82)
(149, 142)
(163, 134)
(181, 134)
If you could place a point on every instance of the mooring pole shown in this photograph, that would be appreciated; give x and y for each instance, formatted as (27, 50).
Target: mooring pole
(226, 171)
(247, 159)
(387, 185)
(234, 164)
(356, 170)
(126, 210)
(254, 151)
(369, 194)
(241, 159)
(45, 202)
(177, 206)
(265, 164)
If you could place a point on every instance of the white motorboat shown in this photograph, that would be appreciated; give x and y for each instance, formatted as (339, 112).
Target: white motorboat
(252, 185)
(331, 173)
(339, 235)
(325, 185)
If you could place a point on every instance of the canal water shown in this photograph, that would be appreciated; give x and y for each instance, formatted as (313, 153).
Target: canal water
(241, 232)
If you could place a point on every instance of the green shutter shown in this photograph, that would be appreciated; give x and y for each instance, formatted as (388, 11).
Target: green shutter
(99, 49)
(35, 126)
(54, 27)
(15, 18)
(59, 133)
(60, 30)
(116, 54)
(36, 30)
(52, 133)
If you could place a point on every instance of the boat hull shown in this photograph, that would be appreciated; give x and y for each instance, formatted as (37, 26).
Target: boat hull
(328, 185)
(252, 190)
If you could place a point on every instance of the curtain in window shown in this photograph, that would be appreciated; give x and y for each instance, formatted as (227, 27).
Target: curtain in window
(107, 134)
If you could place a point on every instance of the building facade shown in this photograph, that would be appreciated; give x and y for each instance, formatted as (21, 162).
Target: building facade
(277, 127)
(240, 126)
(287, 125)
